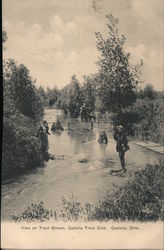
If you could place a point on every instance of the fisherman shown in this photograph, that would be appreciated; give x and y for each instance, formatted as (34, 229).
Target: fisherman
(103, 137)
(43, 133)
(92, 119)
(122, 145)
(45, 124)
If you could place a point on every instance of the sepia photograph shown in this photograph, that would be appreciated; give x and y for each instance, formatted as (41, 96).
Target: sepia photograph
(83, 123)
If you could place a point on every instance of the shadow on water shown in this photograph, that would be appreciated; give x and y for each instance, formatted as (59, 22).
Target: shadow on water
(37, 168)
(81, 135)
(58, 133)
(22, 173)
(83, 171)
(103, 148)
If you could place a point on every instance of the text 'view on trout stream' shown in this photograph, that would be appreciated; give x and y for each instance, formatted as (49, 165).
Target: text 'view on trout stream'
(82, 112)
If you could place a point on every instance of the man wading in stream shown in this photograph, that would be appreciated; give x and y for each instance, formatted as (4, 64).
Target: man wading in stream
(122, 145)
(43, 133)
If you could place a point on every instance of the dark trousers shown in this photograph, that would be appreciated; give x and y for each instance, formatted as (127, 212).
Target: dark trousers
(122, 158)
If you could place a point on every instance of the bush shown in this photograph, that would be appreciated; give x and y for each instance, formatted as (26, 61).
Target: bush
(22, 110)
(19, 89)
(21, 148)
(72, 210)
(149, 114)
(141, 199)
(35, 212)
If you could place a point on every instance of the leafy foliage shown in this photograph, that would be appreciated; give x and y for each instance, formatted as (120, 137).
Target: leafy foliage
(147, 93)
(42, 95)
(35, 212)
(20, 87)
(88, 94)
(22, 110)
(71, 209)
(117, 79)
(52, 96)
(75, 98)
(4, 38)
(140, 199)
(149, 112)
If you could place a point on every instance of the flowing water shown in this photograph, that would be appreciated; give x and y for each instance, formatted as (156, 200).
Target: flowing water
(82, 167)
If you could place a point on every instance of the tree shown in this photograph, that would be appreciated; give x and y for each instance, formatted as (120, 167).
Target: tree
(20, 86)
(75, 98)
(4, 36)
(148, 92)
(89, 95)
(42, 95)
(52, 96)
(118, 80)
(22, 110)
(149, 114)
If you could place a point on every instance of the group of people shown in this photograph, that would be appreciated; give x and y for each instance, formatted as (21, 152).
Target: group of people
(121, 143)
(119, 136)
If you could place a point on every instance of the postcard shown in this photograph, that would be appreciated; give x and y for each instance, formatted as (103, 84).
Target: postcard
(83, 124)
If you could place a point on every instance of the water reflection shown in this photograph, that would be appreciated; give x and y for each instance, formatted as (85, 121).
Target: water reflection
(103, 148)
(82, 167)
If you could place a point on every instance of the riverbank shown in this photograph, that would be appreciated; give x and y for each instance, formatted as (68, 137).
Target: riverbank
(141, 199)
(151, 146)
(83, 170)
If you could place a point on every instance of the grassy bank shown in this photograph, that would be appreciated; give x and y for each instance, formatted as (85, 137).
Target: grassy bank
(140, 199)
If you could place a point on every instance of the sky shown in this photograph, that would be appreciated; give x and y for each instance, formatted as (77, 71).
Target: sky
(56, 38)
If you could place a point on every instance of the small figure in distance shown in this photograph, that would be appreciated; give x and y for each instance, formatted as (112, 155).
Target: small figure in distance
(56, 126)
(43, 140)
(103, 137)
(121, 145)
(45, 124)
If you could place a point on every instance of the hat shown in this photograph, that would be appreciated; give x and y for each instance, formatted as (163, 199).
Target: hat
(120, 126)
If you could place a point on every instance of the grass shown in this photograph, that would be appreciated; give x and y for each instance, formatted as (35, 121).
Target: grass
(140, 199)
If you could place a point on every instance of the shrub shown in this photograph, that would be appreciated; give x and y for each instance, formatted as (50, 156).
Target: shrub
(21, 148)
(141, 199)
(35, 212)
(72, 210)
(22, 110)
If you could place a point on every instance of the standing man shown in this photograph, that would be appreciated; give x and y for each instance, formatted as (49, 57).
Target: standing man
(43, 138)
(122, 145)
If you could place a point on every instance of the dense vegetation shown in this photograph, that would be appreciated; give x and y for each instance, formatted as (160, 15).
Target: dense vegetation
(114, 91)
(22, 110)
(149, 114)
(141, 199)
